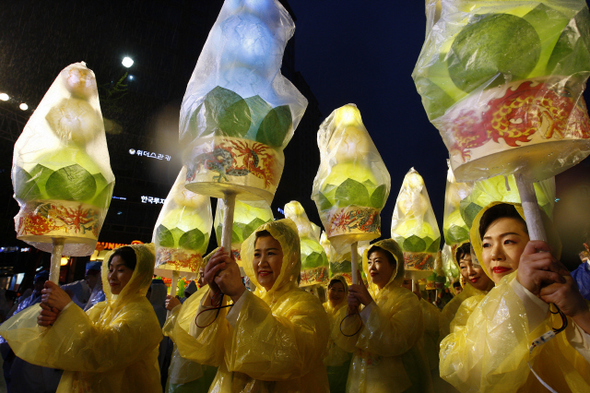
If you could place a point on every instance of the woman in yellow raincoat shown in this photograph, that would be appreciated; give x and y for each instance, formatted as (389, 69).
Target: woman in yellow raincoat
(337, 360)
(272, 339)
(111, 348)
(388, 356)
(489, 347)
(475, 282)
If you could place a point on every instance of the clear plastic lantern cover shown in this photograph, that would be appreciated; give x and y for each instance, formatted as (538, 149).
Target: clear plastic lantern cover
(455, 229)
(314, 261)
(504, 104)
(450, 266)
(248, 216)
(340, 262)
(414, 225)
(352, 183)
(182, 231)
(61, 171)
(504, 189)
(239, 112)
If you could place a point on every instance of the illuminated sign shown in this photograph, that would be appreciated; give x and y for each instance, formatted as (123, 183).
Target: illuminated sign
(153, 200)
(108, 246)
(149, 154)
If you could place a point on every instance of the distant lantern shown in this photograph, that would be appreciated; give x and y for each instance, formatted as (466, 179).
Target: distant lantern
(23, 106)
(4, 97)
(127, 62)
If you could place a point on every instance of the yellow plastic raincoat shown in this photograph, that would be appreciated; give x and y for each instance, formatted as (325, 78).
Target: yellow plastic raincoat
(388, 355)
(337, 360)
(488, 347)
(111, 348)
(277, 342)
(448, 312)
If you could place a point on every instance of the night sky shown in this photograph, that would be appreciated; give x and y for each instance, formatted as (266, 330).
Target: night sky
(365, 55)
(347, 51)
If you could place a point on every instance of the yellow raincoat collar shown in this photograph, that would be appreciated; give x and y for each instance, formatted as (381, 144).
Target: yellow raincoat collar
(552, 236)
(397, 277)
(285, 232)
(140, 281)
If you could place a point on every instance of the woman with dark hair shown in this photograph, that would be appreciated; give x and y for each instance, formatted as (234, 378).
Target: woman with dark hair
(491, 349)
(475, 283)
(337, 360)
(272, 339)
(111, 348)
(388, 355)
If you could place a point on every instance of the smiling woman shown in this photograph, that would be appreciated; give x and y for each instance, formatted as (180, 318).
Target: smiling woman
(274, 338)
(268, 259)
(489, 347)
(111, 348)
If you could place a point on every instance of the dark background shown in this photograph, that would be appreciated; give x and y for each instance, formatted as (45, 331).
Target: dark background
(343, 52)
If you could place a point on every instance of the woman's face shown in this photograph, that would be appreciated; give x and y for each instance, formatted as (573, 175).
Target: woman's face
(119, 275)
(380, 269)
(336, 293)
(268, 260)
(502, 244)
(474, 274)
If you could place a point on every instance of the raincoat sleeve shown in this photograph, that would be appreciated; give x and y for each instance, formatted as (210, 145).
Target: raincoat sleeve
(537, 310)
(76, 343)
(448, 313)
(202, 345)
(393, 325)
(279, 345)
(339, 348)
(431, 316)
(580, 340)
(488, 347)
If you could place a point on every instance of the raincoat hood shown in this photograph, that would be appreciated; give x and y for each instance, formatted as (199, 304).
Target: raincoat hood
(339, 278)
(140, 281)
(397, 277)
(476, 241)
(285, 232)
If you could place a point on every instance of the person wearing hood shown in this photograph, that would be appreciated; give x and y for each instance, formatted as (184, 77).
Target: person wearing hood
(274, 338)
(490, 347)
(475, 283)
(111, 348)
(388, 354)
(337, 360)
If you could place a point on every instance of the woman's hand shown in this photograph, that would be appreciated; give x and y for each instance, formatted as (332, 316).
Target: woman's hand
(357, 295)
(47, 316)
(53, 296)
(568, 298)
(171, 302)
(215, 265)
(222, 273)
(538, 268)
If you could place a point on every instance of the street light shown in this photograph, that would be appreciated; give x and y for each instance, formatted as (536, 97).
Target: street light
(127, 62)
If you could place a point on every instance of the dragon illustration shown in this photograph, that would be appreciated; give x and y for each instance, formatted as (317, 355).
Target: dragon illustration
(225, 157)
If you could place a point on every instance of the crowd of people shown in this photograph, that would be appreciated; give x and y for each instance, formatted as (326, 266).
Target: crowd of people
(519, 323)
